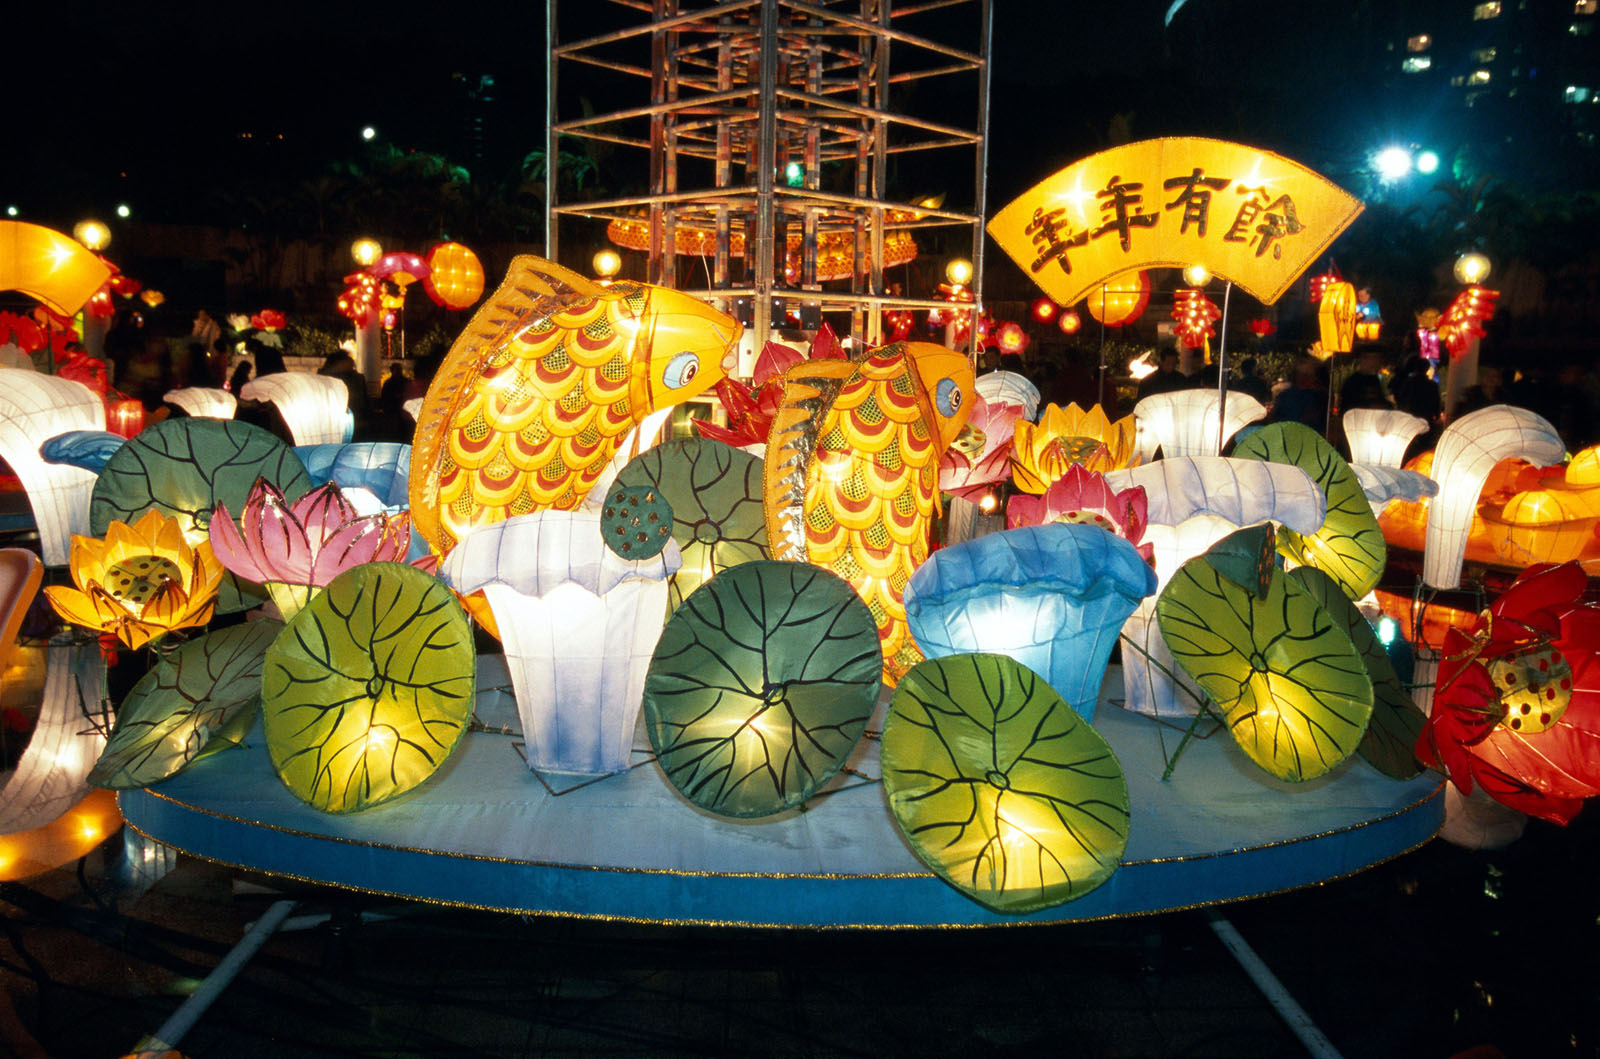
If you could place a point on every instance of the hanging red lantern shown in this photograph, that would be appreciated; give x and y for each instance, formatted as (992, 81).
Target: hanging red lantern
(1069, 321)
(1466, 316)
(1194, 314)
(1009, 337)
(1044, 310)
(455, 276)
(1122, 301)
(1319, 284)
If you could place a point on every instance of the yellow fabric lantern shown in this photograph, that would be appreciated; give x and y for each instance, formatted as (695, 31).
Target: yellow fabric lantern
(456, 279)
(1122, 301)
(45, 264)
(1336, 317)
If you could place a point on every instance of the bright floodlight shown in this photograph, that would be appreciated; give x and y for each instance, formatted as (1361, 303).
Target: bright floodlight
(1393, 163)
(124, 211)
(368, 132)
(12, 211)
(1427, 162)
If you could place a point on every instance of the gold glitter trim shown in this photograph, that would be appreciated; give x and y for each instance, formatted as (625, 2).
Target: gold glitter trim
(598, 917)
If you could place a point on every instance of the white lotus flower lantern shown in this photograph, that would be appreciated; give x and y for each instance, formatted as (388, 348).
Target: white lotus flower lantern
(579, 624)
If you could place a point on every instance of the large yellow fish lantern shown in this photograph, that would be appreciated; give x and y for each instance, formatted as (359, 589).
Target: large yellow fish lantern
(540, 390)
(852, 472)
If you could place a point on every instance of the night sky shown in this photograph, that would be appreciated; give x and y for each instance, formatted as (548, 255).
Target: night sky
(145, 103)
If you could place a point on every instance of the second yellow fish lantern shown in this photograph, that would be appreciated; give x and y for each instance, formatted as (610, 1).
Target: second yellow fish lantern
(852, 472)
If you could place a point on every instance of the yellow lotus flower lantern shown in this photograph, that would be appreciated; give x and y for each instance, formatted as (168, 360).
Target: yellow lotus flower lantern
(139, 582)
(1041, 452)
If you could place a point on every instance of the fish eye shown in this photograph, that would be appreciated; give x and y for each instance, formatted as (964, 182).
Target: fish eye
(947, 397)
(682, 368)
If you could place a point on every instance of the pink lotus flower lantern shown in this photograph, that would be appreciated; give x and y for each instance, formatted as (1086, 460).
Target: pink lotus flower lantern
(296, 549)
(1083, 496)
(967, 470)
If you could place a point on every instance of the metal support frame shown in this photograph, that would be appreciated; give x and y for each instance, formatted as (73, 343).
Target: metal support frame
(735, 90)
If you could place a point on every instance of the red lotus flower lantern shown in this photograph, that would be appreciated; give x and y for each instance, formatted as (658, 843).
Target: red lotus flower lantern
(1261, 327)
(268, 320)
(1009, 337)
(1517, 704)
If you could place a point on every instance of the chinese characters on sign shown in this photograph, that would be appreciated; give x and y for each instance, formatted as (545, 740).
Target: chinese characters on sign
(1249, 216)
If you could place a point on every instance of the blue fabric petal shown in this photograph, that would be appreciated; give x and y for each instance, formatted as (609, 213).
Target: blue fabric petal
(89, 449)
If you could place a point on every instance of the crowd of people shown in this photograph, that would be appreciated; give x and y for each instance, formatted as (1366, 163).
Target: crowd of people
(146, 361)
(1569, 399)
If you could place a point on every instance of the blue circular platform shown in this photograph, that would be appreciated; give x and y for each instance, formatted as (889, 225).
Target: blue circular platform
(487, 833)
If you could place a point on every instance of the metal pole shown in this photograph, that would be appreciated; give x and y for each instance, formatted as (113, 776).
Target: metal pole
(182, 1021)
(766, 154)
(981, 176)
(551, 153)
(1222, 368)
(1282, 1001)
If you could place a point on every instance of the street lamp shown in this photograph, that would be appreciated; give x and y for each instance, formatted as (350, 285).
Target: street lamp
(1472, 268)
(607, 263)
(92, 234)
(1394, 163)
(368, 132)
(1428, 162)
(124, 210)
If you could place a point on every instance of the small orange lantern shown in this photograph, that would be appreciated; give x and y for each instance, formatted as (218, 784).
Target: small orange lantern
(1368, 330)
(125, 417)
(456, 279)
(1122, 301)
(1044, 310)
(1069, 321)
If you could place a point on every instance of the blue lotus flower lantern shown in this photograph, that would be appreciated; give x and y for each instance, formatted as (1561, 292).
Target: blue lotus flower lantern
(1052, 597)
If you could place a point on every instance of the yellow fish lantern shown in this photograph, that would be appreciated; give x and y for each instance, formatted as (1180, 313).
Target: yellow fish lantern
(852, 472)
(540, 390)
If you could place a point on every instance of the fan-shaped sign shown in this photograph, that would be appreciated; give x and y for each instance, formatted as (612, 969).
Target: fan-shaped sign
(1249, 216)
(43, 263)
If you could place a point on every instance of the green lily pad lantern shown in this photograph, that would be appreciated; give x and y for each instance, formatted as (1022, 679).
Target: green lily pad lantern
(1349, 547)
(1291, 687)
(999, 786)
(184, 467)
(1396, 719)
(761, 686)
(198, 699)
(715, 493)
(368, 689)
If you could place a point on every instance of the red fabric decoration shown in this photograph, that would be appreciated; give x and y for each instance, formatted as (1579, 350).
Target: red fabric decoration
(1517, 704)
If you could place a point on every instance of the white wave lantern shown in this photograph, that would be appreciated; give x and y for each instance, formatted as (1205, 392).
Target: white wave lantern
(1382, 484)
(1467, 451)
(1194, 502)
(1010, 388)
(53, 773)
(316, 408)
(1184, 422)
(1380, 436)
(34, 407)
(579, 624)
(204, 402)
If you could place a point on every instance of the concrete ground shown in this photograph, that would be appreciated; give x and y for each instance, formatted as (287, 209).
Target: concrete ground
(1434, 954)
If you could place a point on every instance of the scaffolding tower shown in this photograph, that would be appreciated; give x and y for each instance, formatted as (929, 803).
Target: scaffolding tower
(775, 132)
